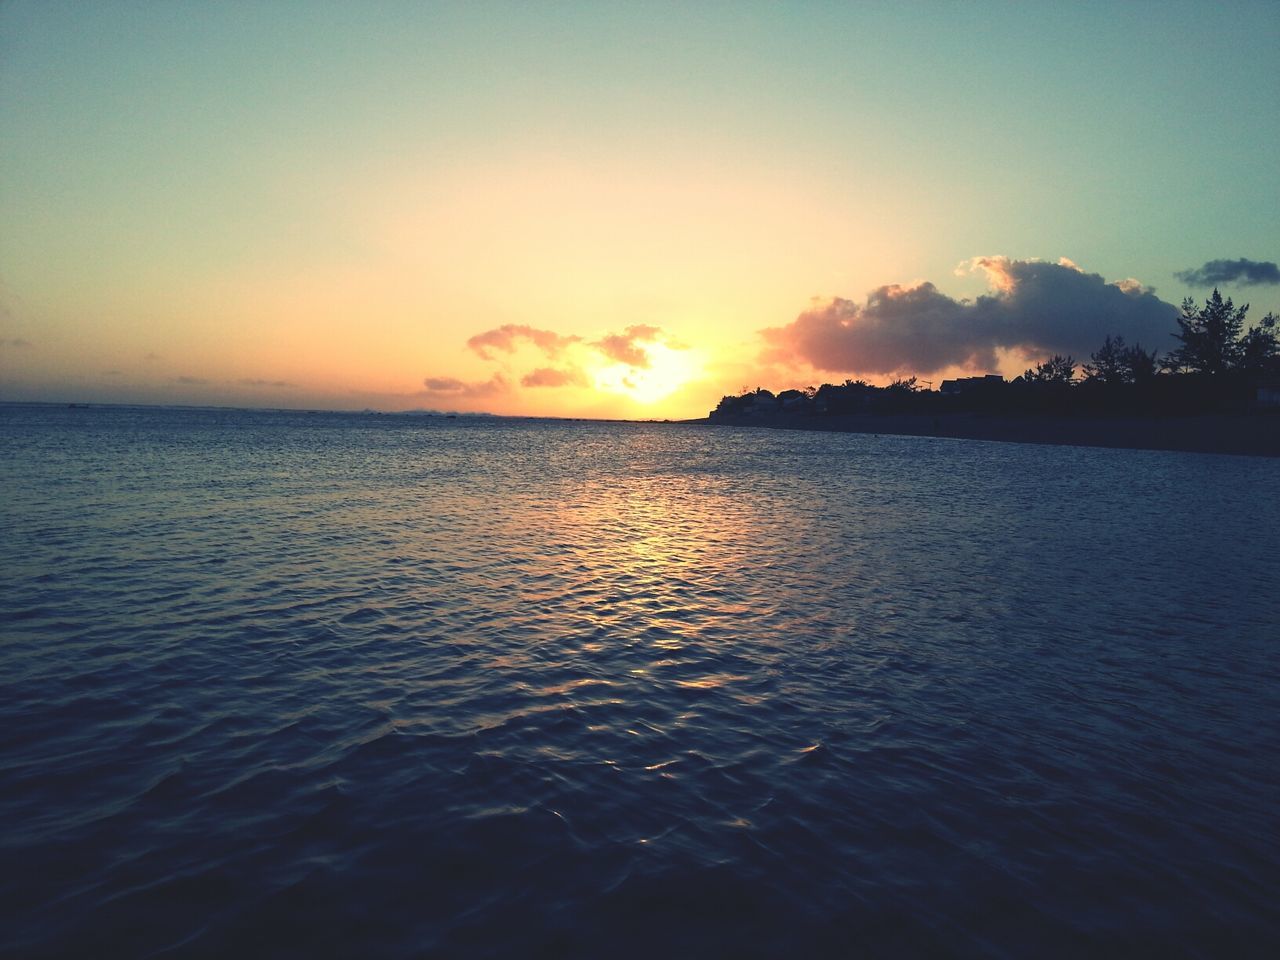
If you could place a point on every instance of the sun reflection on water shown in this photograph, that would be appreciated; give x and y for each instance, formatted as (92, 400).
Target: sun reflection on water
(626, 603)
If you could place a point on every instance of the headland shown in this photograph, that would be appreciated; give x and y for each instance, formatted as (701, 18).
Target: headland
(1255, 434)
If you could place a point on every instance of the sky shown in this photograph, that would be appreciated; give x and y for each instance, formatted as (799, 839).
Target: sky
(614, 210)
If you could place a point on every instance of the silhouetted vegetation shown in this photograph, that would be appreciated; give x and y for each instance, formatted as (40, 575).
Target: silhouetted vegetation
(1218, 366)
(1056, 370)
(1114, 363)
(1209, 336)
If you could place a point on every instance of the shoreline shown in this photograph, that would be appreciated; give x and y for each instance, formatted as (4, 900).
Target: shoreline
(1256, 435)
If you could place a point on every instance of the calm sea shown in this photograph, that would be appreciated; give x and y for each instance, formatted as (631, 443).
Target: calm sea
(299, 685)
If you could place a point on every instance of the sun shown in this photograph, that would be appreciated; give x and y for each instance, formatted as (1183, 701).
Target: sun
(668, 370)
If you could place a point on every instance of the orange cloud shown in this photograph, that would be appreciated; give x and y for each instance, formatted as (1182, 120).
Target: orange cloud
(551, 377)
(623, 348)
(454, 389)
(506, 337)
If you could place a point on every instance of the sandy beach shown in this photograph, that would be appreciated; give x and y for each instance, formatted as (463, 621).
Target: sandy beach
(1250, 435)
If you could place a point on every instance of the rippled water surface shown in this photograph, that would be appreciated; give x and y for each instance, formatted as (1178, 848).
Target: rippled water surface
(305, 684)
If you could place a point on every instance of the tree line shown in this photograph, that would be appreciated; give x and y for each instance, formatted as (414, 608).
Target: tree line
(1212, 341)
(1214, 367)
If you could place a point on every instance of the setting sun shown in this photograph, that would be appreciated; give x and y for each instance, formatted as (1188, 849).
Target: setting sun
(667, 371)
(598, 478)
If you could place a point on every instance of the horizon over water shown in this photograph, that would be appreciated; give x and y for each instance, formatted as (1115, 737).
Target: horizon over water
(301, 684)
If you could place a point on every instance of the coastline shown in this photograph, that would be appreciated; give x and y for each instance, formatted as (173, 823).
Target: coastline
(1256, 435)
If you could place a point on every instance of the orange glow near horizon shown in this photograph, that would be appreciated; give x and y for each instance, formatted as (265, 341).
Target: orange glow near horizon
(667, 372)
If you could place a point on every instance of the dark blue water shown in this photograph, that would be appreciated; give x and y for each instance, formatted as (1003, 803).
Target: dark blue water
(296, 685)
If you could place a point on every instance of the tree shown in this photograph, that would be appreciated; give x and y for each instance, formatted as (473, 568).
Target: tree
(903, 386)
(1116, 363)
(1139, 365)
(1260, 347)
(1057, 369)
(729, 407)
(1108, 362)
(1210, 336)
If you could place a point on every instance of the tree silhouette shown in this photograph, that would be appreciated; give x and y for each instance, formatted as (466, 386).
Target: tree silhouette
(1108, 362)
(1140, 365)
(1209, 335)
(1057, 369)
(1116, 363)
(1260, 347)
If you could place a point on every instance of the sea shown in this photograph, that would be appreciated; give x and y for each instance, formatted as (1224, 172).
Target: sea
(305, 684)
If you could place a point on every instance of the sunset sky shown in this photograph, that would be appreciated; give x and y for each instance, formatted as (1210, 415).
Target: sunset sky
(614, 210)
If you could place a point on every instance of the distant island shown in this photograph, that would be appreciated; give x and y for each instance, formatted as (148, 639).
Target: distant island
(1217, 392)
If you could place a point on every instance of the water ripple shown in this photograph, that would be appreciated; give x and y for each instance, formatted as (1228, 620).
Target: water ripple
(300, 685)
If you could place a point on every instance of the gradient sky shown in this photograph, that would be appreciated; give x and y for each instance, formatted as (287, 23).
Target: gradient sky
(596, 209)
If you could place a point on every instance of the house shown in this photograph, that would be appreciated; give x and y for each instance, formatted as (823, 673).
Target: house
(792, 399)
(954, 388)
(762, 401)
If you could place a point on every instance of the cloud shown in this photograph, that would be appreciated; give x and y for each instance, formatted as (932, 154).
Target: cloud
(250, 382)
(1245, 272)
(623, 348)
(506, 337)
(1130, 285)
(16, 343)
(573, 356)
(452, 388)
(551, 377)
(1033, 306)
(190, 381)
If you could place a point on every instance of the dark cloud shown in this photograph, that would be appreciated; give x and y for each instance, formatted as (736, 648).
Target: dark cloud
(452, 388)
(623, 347)
(1244, 272)
(506, 337)
(280, 384)
(550, 377)
(190, 381)
(1033, 306)
(16, 343)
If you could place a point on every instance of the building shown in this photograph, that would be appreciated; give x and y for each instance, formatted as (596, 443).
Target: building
(954, 388)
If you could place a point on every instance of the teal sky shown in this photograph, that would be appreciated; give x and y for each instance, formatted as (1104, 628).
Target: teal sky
(302, 204)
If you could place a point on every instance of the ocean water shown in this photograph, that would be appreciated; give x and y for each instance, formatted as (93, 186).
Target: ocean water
(299, 685)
